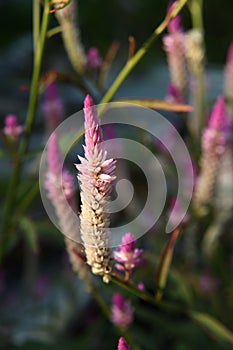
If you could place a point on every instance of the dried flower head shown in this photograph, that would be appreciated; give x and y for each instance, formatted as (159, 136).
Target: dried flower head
(194, 49)
(67, 17)
(95, 178)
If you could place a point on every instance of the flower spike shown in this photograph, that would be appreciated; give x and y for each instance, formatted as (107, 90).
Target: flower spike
(95, 178)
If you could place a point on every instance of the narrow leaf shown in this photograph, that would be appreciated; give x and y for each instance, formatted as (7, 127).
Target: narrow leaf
(159, 104)
(29, 232)
(164, 264)
(216, 328)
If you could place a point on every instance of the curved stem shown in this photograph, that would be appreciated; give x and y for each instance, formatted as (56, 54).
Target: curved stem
(131, 63)
(12, 190)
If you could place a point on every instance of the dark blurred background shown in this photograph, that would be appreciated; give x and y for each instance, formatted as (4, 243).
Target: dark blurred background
(104, 21)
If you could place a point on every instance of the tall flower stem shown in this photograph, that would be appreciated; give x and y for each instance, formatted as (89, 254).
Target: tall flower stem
(196, 10)
(34, 90)
(132, 62)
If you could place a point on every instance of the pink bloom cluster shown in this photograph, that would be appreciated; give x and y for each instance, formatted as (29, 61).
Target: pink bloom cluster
(122, 344)
(121, 311)
(95, 177)
(12, 129)
(127, 255)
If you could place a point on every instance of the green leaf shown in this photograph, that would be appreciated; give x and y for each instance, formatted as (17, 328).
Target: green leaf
(217, 329)
(165, 263)
(29, 232)
(159, 104)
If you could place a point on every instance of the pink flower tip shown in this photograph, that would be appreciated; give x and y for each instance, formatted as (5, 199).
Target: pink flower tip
(218, 115)
(230, 54)
(174, 25)
(127, 255)
(122, 344)
(88, 102)
(174, 94)
(51, 91)
(128, 242)
(94, 60)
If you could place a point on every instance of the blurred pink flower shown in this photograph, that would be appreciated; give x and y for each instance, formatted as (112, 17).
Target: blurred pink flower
(141, 286)
(52, 107)
(12, 129)
(176, 211)
(121, 311)
(214, 140)
(61, 190)
(127, 255)
(122, 344)
(95, 178)
(174, 46)
(94, 60)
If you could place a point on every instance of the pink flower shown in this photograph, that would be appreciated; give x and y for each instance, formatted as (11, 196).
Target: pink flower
(174, 25)
(59, 182)
(176, 211)
(122, 345)
(60, 190)
(214, 135)
(141, 286)
(95, 177)
(127, 255)
(121, 311)
(214, 141)
(94, 60)
(174, 46)
(12, 129)
(53, 108)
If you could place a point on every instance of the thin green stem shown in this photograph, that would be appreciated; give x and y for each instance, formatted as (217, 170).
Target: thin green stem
(36, 23)
(11, 195)
(196, 8)
(131, 63)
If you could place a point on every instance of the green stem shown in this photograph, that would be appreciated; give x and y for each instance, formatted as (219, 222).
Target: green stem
(196, 10)
(131, 63)
(196, 7)
(10, 200)
(36, 23)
